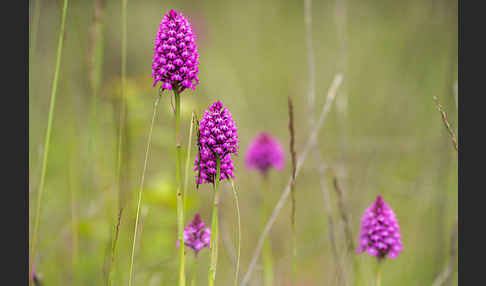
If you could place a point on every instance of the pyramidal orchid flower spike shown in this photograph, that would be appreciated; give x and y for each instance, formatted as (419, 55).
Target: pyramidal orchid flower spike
(380, 233)
(265, 152)
(175, 59)
(196, 235)
(218, 138)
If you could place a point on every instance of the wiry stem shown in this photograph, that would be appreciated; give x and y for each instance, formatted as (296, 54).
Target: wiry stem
(48, 138)
(292, 190)
(347, 231)
(214, 228)
(332, 235)
(446, 123)
(239, 232)
(283, 198)
(149, 140)
(114, 244)
(188, 157)
(180, 198)
(123, 98)
(345, 218)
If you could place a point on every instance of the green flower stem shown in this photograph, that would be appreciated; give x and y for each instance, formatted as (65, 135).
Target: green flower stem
(214, 228)
(180, 198)
(47, 139)
(267, 250)
(356, 270)
(194, 272)
(149, 140)
(378, 273)
(239, 232)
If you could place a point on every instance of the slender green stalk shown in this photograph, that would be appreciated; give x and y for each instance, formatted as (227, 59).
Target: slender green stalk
(180, 199)
(141, 186)
(123, 97)
(378, 273)
(267, 250)
(239, 232)
(214, 228)
(186, 172)
(114, 244)
(186, 178)
(48, 138)
(121, 123)
(194, 272)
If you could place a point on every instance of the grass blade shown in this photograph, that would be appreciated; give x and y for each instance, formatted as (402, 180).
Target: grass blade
(149, 140)
(48, 138)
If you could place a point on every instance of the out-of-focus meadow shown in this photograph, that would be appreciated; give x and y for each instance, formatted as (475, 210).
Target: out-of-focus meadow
(383, 135)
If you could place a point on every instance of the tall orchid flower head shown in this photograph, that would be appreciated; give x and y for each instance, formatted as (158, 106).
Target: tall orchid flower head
(175, 59)
(196, 235)
(264, 152)
(218, 139)
(380, 233)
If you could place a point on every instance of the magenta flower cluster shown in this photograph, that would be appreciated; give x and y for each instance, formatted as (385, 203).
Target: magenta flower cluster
(218, 139)
(175, 59)
(265, 152)
(196, 234)
(380, 232)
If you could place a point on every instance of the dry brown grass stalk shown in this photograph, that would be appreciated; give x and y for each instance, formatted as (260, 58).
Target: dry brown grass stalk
(447, 124)
(292, 155)
(292, 190)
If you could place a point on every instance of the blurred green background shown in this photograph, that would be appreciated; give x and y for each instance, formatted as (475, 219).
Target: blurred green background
(383, 135)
